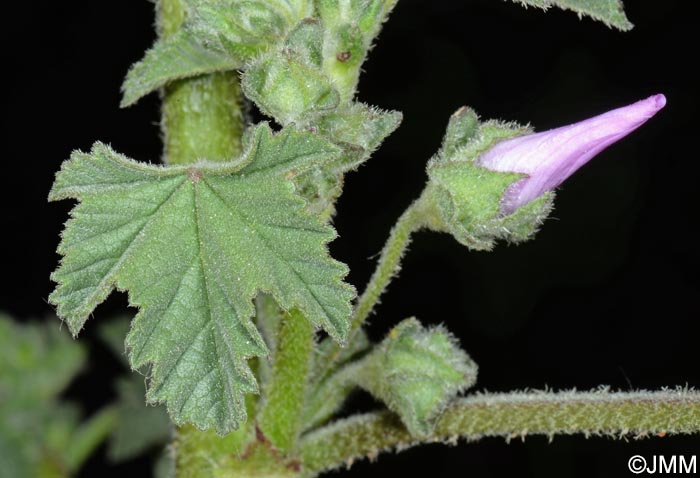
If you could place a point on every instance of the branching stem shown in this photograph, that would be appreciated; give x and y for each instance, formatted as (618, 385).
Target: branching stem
(510, 415)
(389, 264)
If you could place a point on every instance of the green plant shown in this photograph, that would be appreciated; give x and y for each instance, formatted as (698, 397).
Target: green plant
(223, 249)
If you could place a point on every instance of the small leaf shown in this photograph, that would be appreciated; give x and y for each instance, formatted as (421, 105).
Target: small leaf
(610, 12)
(180, 56)
(359, 130)
(193, 246)
(417, 372)
(361, 127)
(37, 362)
(218, 35)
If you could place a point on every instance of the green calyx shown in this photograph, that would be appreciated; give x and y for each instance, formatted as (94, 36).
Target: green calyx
(417, 372)
(294, 86)
(464, 198)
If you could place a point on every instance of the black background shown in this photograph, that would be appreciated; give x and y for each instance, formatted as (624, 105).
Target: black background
(605, 295)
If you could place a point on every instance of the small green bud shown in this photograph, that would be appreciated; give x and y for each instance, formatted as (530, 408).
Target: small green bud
(242, 28)
(288, 89)
(417, 372)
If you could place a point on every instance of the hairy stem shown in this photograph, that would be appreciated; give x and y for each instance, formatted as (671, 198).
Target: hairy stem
(202, 117)
(89, 436)
(508, 415)
(280, 415)
(388, 266)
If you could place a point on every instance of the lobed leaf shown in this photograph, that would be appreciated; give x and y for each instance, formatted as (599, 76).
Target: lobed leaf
(358, 130)
(193, 246)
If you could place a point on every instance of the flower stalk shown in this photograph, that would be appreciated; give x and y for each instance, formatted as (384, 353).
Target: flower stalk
(508, 415)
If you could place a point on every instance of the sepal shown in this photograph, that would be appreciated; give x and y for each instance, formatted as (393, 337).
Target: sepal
(351, 26)
(416, 372)
(465, 199)
(288, 84)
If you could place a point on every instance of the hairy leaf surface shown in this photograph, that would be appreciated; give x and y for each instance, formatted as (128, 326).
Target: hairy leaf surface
(218, 35)
(193, 246)
(610, 12)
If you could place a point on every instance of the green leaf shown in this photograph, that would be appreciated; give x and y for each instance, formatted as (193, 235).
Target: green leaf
(180, 56)
(358, 130)
(139, 426)
(218, 35)
(193, 246)
(38, 361)
(417, 372)
(610, 12)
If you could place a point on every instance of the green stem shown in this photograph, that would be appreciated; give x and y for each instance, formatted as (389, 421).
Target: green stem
(89, 436)
(202, 117)
(388, 266)
(280, 415)
(510, 415)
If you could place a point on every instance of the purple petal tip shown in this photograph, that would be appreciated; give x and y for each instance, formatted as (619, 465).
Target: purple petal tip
(549, 157)
(659, 101)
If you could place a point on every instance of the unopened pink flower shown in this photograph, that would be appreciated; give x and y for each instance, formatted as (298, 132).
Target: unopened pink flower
(549, 157)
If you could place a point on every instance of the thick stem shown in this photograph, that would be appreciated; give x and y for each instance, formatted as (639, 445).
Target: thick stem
(202, 117)
(280, 415)
(510, 415)
(89, 437)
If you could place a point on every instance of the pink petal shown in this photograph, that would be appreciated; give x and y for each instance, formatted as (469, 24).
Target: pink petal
(549, 157)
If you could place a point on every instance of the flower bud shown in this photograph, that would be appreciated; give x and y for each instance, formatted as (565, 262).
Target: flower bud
(494, 180)
(549, 157)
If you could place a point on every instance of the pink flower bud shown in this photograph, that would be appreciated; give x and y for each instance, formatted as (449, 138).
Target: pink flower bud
(549, 157)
